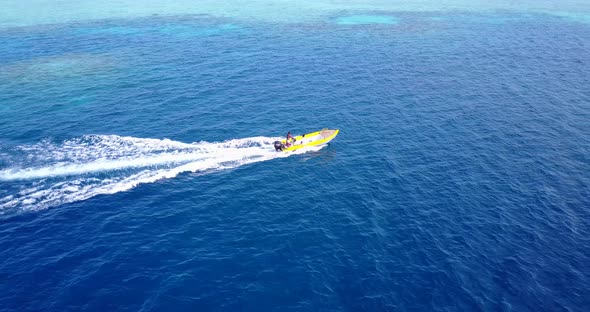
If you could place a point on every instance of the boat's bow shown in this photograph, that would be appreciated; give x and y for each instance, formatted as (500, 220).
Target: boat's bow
(328, 135)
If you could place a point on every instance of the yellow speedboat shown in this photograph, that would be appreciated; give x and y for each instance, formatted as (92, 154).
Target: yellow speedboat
(311, 139)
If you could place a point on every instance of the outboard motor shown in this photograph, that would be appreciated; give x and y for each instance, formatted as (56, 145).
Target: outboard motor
(279, 146)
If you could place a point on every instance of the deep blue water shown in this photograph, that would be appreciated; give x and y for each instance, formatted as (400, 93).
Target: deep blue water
(137, 173)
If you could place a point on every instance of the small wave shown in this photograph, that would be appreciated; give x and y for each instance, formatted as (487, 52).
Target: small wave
(46, 174)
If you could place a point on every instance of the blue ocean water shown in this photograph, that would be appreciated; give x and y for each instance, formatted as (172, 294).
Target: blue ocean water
(137, 170)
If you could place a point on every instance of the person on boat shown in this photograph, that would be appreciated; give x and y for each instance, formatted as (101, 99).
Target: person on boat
(289, 139)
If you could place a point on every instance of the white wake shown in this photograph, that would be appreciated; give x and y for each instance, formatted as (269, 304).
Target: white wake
(47, 174)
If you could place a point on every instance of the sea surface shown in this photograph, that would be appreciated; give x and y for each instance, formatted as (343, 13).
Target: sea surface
(137, 171)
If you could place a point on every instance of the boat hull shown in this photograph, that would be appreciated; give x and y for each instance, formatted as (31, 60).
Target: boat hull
(310, 139)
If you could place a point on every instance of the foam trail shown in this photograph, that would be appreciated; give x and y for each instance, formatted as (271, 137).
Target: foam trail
(95, 166)
(47, 174)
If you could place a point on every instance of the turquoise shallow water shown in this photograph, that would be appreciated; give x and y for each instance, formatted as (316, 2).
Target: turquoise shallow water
(365, 20)
(137, 169)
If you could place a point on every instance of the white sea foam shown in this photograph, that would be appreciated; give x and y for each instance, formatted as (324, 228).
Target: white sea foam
(47, 174)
